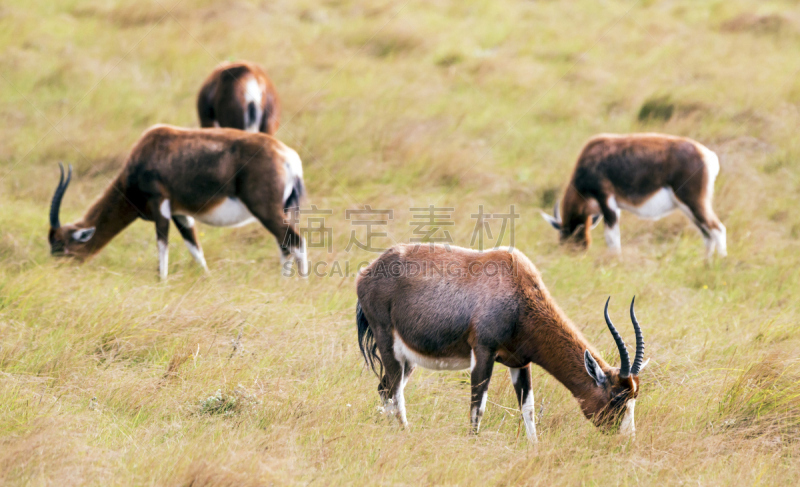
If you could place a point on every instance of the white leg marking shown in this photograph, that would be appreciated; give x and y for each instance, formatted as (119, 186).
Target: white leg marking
(400, 400)
(163, 259)
(719, 237)
(286, 265)
(528, 416)
(628, 427)
(612, 235)
(477, 412)
(471, 360)
(301, 258)
(165, 209)
(197, 254)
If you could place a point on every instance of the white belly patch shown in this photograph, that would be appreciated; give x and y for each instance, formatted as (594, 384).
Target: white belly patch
(230, 213)
(660, 204)
(404, 354)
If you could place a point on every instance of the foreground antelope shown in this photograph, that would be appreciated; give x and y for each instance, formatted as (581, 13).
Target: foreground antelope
(222, 177)
(240, 96)
(455, 308)
(649, 175)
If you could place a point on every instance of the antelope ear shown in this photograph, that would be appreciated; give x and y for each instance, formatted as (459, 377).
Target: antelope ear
(552, 221)
(83, 235)
(594, 370)
(596, 219)
(643, 366)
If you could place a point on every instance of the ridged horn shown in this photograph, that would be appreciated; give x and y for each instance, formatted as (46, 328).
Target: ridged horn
(624, 358)
(55, 205)
(639, 357)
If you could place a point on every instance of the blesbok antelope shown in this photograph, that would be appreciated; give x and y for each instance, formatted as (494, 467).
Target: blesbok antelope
(221, 177)
(459, 309)
(241, 96)
(649, 175)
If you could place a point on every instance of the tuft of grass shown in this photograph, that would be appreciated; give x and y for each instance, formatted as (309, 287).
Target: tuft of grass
(228, 403)
(658, 108)
(758, 24)
(763, 401)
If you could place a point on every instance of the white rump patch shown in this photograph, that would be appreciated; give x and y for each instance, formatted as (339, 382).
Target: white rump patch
(252, 93)
(628, 427)
(230, 213)
(293, 168)
(404, 354)
(712, 168)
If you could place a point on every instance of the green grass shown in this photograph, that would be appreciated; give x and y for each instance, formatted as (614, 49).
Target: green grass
(108, 376)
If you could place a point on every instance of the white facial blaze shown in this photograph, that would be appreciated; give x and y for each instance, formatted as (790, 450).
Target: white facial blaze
(628, 427)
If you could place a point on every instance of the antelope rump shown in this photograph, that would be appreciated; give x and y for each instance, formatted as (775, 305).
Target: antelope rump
(649, 175)
(450, 308)
(221, 177)
(240, 96)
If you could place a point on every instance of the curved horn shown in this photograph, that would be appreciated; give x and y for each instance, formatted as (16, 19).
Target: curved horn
(55, 205)
(555, 212)
(625, 360)
(637, 359)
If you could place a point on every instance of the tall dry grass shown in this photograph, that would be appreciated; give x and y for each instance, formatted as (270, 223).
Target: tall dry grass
(242, 378)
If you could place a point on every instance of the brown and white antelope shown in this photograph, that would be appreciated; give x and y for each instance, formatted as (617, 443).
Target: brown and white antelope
(649, 175)
(221, 177)
(240, 96)
(455, 308)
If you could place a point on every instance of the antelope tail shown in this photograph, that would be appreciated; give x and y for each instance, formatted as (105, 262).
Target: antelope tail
(298, 191)
(251, 118)
(366, 342)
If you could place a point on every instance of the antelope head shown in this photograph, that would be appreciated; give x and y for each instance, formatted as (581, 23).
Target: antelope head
(577, 225)
(614, 399)
(71, 239)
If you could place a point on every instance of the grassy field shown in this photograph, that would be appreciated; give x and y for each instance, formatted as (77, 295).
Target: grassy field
(240, 377)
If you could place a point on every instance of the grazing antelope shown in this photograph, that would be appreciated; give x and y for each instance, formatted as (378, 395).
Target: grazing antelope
(239, 96)
(222, 177)
(457, 308)
(649, 175)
